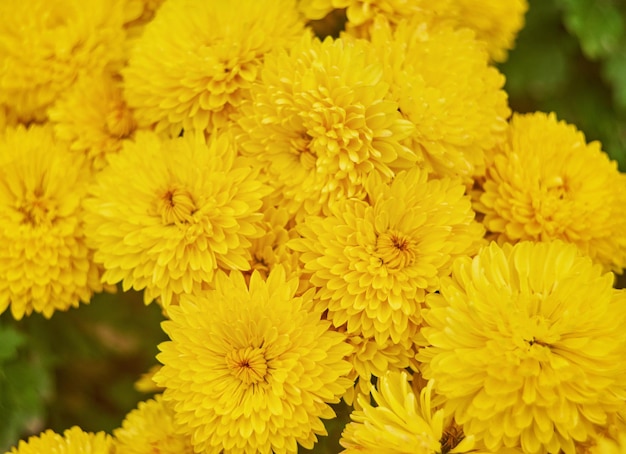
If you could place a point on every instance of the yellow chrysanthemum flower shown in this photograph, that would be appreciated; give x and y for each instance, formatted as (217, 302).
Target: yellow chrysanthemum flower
(321, 121)
(444, 85)
(373, 262)
(547, 183)
(189, 209)
(527, 345)
(45, 45)
(93, 118)
(495, 22)
(371, 359)
(360, 14)
(401, 422)
(271, 249)
(196, 60)
(150, 428)
(250, 369)
(73, 441)
(45, 264)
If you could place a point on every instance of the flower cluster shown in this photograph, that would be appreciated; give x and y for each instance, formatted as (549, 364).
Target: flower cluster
(357, 219)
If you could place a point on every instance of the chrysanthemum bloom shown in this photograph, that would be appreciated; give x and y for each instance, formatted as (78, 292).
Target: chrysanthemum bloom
(197, 59)
(45, 264)
(250, 369)
(527, 344)
(401, 422)
(271, 249)
(444, 84)
(45, 45)
(93, 118)
(373, 263)
(360, 14)
(495, 22)
(547, 183)
(190, 208)
(150, 428)
(371, 359)
(73, 441)
(321, 121)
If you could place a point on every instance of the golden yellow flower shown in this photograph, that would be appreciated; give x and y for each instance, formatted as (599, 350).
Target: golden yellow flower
(402, 422)
(495, 22)
(45, 45)
(321, 121)
(271, 249)
(373, 262)
(93, 118)
(444, 85)
(45, 264)
(360, 14)
(197, 59)
(73, 441)
(150, 428)
(547, 183)
(249, 369)
(165, 214)
(526, 344)
(371, 359)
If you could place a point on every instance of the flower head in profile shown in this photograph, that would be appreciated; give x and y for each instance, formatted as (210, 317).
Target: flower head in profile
(526, 344)
(248, 368)
(444, 85)
(321, 121)
(45, 264)
(151, 426)
(547, 182)
(196, 60)
(374, 261)
(93, 118)
(45, 45)
(190, 208)
(73, 441)
(403, 421)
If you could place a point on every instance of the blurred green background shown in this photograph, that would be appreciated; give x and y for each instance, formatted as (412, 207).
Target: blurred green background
(80, 366)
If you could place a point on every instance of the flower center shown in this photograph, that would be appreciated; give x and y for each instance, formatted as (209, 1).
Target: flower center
(119, 120)
(247, 364)
(395, 250)
(176, 206)
(36, 210)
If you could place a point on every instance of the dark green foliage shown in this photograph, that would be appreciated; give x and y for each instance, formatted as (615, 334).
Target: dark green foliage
(571, 59)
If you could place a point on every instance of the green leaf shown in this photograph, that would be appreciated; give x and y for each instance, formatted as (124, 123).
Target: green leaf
(24, 387)
(598, 24)
(10, 341)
